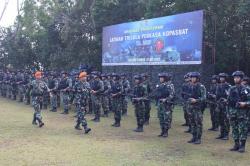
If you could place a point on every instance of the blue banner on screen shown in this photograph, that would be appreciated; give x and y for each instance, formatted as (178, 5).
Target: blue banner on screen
(170, 40)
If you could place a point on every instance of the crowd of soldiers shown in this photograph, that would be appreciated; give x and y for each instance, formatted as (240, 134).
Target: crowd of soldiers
(101, 94)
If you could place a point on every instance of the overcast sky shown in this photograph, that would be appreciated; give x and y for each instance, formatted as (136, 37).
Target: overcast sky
(10, 12)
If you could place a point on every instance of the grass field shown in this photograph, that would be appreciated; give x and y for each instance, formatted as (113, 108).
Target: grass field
(58, 143)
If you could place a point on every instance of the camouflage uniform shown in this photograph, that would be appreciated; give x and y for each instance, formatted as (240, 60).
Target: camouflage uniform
(197, 92)
(116, 94)
(53, 87)
(184, 95)
(239, 115)
(105, 97)
(126, 89)
(165, 93)
(82, 89)
(221, 96)
(211, 98)
(139, 96)
(147, 103)
(65, 86)
(46, 95)
(96, 94)
(38, 88)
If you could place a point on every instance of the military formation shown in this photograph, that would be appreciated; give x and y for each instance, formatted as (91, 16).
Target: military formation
(101, 94)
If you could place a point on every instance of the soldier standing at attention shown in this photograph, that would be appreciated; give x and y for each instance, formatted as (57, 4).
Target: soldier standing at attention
(65, 85)
(184, 95)
(53, 87)
(38, 88)
(246, 82)
(165, 95)
(105, 95)
(139, 96)
(212, 104)
(197, 97)
(147, 85)
(221, 97)
(126, 89)
(239, 102)
(116, 97)
(82, 89)
(96, 93)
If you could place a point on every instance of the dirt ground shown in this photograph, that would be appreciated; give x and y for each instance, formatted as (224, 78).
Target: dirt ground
(58, 143)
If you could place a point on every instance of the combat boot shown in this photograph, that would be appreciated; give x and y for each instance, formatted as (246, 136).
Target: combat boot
(193, 139)
(185, 124)
(225, 137)
(220, 136)
(41, 124)
(116, 124)
(34, 120)
(188, 131)
(65, 112)
(236, 146)
(197, 141)
(242, 146)
(77, 127)
(165, 133)
(139, 129)
(162, 131)
(86, 129)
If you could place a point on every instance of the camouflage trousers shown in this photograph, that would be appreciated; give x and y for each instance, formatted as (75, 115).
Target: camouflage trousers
(105, 104)
(165, 115)
(223, 119)
(116, 106)
(66, 101)
(214, 116)
(36, 102)
(248, 124)
(53, 100)
(196, 120)
(46, 99)
(21, 93)
(124, 105)
(140, 113)
(239, 123)
(96, 103)
(81, 112)
(147, 110)
(185, 111)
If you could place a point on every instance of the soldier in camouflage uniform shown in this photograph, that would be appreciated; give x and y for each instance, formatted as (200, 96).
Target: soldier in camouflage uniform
(246, 82)
(105, 95)
(196, 98)
(147, 85)
(53, 89)
(96, 94)
(82, 89)
(65, 86)
(116, 98)
(20, 85)
(211, 98)
(139, 96)
(221, 97)
(184, 95)
(126, 89)
(239, 102)
(38, 88)
(14, 88)
(165, 95)
(46, 95)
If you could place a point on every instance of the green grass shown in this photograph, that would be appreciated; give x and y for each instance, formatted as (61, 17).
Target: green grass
(59, 144)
